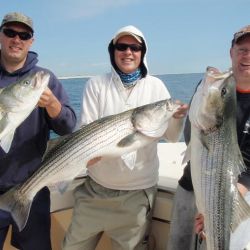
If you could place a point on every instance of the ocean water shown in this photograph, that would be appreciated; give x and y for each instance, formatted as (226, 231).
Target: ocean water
(180, 86)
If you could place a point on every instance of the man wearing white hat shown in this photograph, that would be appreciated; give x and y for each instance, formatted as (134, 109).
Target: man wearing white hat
(118, 194)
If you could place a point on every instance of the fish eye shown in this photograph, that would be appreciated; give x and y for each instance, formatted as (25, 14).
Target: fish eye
(27, 82)
(223, 92)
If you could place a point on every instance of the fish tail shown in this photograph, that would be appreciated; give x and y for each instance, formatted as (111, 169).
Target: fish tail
(17, 205)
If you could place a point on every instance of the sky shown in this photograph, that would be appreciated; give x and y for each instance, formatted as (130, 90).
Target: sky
(183, 36)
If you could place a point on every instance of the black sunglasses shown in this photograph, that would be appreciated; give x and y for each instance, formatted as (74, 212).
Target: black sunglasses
(12, 33)
(125, 46)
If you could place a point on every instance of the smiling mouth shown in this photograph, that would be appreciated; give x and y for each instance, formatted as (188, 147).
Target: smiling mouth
(15, 48)
(127, 59)
(245, 65)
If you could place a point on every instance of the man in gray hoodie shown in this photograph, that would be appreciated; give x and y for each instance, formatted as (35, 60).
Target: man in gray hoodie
(30, 139)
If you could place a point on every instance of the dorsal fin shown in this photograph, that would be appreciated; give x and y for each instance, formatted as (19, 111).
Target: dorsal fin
(53, 144)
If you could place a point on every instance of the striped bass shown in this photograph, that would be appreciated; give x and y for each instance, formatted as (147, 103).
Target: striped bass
(111, 136)
(17, 101)
(216, 160)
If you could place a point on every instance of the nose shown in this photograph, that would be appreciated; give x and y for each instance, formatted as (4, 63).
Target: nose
(16, 38)
(128, 50)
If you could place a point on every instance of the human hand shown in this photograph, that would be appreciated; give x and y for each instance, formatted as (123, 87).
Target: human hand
(242, 189)
(46, 98)
(49, 101)
(181, 111)
(199, 226)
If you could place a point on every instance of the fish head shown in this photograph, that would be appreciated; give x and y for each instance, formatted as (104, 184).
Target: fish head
(17, 101)
(211, 102)
(24, 93)
(152, 119)
(31, 86)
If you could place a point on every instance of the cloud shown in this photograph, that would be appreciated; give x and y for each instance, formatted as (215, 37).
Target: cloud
(79, 9)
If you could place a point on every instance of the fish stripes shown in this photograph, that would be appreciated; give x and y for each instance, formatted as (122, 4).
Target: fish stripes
(82, 146)
(67, 156)
(216, 160)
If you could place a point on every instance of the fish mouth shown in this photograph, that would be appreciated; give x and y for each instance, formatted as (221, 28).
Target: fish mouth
(171, 105)
(216, 74)
(41, 79)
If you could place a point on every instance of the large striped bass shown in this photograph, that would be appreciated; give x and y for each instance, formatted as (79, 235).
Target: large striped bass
(112, 136)
(17, 101)
(216, 160)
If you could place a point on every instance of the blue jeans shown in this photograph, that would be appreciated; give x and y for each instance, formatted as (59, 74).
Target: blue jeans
(36, 234)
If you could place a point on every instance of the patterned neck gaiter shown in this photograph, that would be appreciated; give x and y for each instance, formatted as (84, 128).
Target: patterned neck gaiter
(130, 79)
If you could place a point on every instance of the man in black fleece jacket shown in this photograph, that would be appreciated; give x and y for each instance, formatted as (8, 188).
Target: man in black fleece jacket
(184, 214)
(53, 112)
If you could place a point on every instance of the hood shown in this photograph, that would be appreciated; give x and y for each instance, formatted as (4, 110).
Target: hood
(131, 30)
(30, 63)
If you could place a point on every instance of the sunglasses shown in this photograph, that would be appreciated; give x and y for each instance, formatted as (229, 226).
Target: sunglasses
(125, 46)
(12, 33)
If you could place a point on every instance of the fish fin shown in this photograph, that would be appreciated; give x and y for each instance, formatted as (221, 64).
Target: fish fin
(129, 159)
(18, 208)
(4, 120)
(204, 142)
(63, 186)
(187, 154)
(241, 211)
(241, 166)
(127, 141)
(2, 113)
(52, 145)
(6, 141)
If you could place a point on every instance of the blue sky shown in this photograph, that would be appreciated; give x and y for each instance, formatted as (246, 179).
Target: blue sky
(183, 36)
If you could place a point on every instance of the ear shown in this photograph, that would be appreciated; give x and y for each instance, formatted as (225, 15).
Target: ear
(231, 52)
(31, 41)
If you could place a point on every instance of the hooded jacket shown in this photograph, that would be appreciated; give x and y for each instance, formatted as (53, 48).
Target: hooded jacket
(106, 95)
(30, 138)
(130, 30)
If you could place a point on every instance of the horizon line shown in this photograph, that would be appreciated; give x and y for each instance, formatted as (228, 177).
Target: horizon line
(89, 76)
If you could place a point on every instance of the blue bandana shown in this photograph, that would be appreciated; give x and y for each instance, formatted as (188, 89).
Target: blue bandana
(129, 80)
